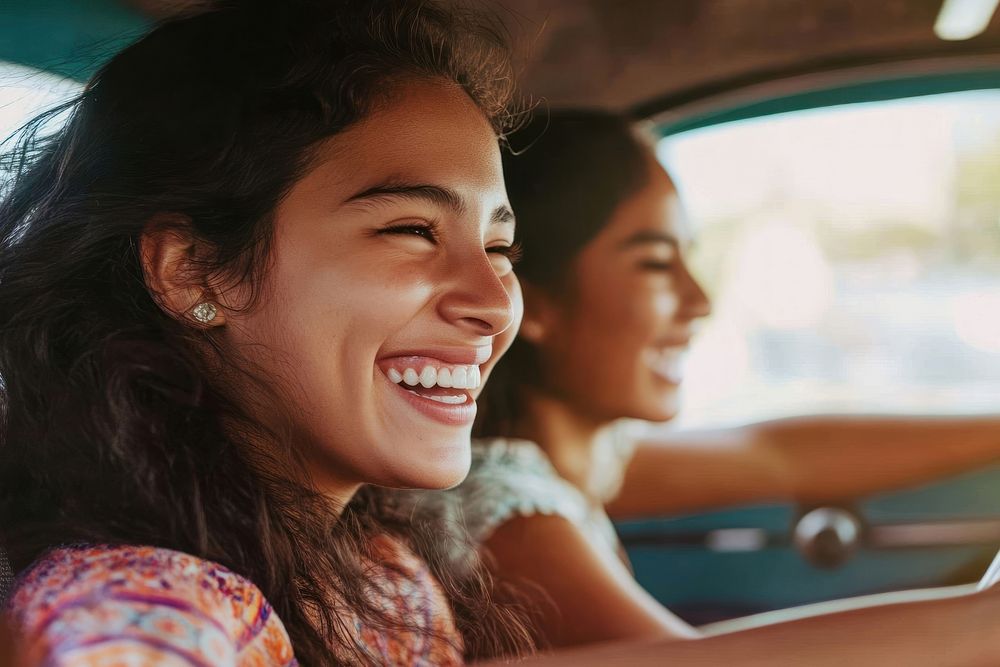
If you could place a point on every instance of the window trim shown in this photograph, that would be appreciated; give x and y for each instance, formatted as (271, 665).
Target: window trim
(872, 83)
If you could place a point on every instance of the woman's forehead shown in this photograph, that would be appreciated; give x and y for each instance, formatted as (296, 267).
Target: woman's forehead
(652, 211)
(405, 154)
(427, 132)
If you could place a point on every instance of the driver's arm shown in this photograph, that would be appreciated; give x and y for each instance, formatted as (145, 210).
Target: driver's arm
(581, 594)
(808, 459)
(954, 632)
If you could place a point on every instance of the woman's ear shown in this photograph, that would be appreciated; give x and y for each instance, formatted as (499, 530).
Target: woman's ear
(539, 314)
(169, 252)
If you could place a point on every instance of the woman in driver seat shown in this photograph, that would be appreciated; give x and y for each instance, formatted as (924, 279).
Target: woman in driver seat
(610, 307)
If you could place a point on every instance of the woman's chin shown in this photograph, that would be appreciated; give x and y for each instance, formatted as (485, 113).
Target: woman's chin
(434, 481)
(442, 468)
(662, 410)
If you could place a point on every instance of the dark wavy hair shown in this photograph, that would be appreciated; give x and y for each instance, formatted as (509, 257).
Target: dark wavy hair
(114, 427)
(566, 173)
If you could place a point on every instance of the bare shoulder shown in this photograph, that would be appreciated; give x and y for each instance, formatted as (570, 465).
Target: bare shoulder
(585, 593)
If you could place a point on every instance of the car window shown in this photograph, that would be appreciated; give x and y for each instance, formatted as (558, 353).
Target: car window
(852, 256)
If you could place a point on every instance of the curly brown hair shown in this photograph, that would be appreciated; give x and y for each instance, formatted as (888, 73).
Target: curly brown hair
(113, 430)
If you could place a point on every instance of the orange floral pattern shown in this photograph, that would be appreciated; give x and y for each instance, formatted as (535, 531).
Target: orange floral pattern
(99, 606)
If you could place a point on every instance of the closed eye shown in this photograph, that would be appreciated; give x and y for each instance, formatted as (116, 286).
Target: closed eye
(425, 230)
(512, 252)
(653, 265)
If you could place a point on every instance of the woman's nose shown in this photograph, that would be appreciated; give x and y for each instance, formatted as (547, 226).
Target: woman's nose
(695, 301)
(477, 299)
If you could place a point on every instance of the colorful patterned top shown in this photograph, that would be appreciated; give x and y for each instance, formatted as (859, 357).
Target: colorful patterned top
(123, 605)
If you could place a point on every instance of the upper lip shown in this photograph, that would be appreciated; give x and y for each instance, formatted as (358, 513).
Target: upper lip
(468, 355)
(674, 341)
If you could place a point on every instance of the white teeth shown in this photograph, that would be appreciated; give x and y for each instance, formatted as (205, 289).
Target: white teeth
(668, 364)
(428, 377)
(460, 378)
(450, 400)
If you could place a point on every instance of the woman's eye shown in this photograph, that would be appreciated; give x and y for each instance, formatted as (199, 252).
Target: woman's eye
(512, 252)
(654, 265)
(424, 231)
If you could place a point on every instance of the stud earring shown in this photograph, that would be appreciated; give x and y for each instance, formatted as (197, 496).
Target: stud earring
(204, 312)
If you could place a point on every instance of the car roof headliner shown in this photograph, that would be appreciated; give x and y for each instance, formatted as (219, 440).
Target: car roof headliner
(643, 56)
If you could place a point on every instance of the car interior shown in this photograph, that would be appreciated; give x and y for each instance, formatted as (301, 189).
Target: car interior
(839, 160)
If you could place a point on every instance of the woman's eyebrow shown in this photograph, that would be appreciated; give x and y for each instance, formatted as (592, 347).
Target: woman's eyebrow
(647, 236)
(502, 215)
(434, 194)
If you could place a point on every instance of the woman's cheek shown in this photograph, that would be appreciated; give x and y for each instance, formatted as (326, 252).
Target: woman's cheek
(665, 304)
(503, 340)
(653, 303)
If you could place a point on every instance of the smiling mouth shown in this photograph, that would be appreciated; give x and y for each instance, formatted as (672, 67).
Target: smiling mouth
(442, 376)
(440, 390)
(440, 395)
(667, 363)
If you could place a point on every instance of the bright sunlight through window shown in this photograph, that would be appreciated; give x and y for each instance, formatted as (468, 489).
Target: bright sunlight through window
(853, 256)
(25, 92)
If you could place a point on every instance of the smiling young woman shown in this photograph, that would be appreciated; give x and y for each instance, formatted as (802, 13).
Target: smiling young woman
(217, 283)
(239, 291)
(610, 307)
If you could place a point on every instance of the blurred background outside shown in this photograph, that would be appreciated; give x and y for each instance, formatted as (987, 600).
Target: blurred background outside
(853, 256)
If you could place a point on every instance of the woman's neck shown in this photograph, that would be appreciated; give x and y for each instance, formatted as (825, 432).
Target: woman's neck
(568, 437)
(269, 457)
(338, 492)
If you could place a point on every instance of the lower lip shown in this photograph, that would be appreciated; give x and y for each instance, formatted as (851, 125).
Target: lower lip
(451, 415)
(669, 379)
(671, 374)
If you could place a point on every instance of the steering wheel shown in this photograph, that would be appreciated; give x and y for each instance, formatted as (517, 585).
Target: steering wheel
(992, 574)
